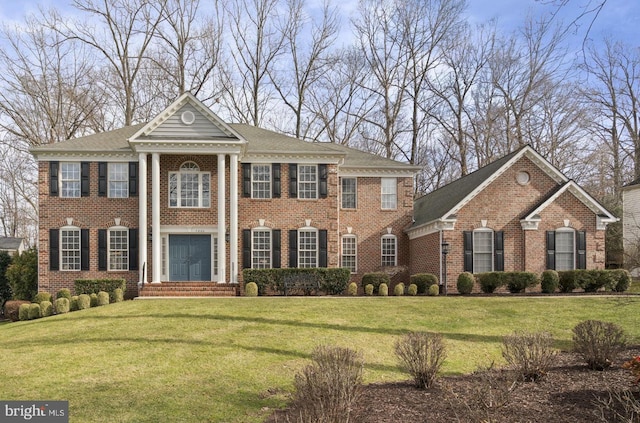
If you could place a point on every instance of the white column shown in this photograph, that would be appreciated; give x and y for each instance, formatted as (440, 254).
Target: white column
(222, 253)
(156, 247)
(233, 218)
(142, 217)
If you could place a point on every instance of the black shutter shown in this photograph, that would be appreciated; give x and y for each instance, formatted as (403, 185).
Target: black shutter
(133, 180)
(322, 248)
(276, 248)
(468, 251)
(293, 248)
(53, 179)
(277, 184)
(133, 249)
(293, 180)
(246, 248)
(551, 250)
(498, 251)
(246, 181)
(84, 249)
(84, 179)
(102, 180)
(323, 173)
(102, 249)
(581, 249)
(54, 249)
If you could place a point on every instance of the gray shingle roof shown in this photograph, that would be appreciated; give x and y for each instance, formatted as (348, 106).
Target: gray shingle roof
(9, 243)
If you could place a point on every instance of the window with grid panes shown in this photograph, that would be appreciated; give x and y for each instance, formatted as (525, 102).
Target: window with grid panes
(389, 193)
(189, 187)
(307, 181)
(118, 180)
(307, 248)
(70, 180)
(349, 193)
(389, 250)
(70, 248)
(261, 249)
(261, 181)
(565, 250)
(348, 258)
(482, 251)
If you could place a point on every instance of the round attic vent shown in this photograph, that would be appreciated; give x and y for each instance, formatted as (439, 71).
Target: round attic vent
(523, 178)
(187, 117)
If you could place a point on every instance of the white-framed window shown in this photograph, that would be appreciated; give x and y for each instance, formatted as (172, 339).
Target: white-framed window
(118, 248)
(482, 250)
(389, 248)
(70, 180)
(565, 249)
(189, 187)
(70, 248)
(389, 193)
(349, 255)
(118, 174)
(308, 181)
(260, 181)
(261, 248)
(308, 247)
(349, 193)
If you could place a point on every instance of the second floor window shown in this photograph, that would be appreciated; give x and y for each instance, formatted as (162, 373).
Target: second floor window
(118, 180)
(349, 195)
(189, 187)
(389, 193)
(70, 180)
(307, 181)
(260, 181)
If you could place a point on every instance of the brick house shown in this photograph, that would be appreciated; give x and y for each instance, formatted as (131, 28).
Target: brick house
(518, 213)
(181, 204)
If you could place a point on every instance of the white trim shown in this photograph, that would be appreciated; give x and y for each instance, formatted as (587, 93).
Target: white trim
(126, 231)
(395, 256)
(233, 218)
(270, 182)
(431, 227)
(107, 156)
(491, 250)
(221, 205)
(355, 254)
(317, 246)
(395, 193)
(142, 219)
(156, 247)
(262, 229)
(68, 228)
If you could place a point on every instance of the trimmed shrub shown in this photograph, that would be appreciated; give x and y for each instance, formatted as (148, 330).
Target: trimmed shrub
(353, 289)
(102, 299)
(46, 308)
(93, 286)
(593, 280)
(412, 290)
(383, 290)
(599, 343)
(22, 275)
(62, 305)
(23, 311)
(368, 289)
(519, 281)
(434, 290)
(529, 354)
(42, 296)
(11, 309)
(73, 304)
(83, 301)
(118, 296)
(251, 289)
(64, 293)
(93, 300)
(422, 355)
(622, 279)
(549, 281)
(375, 279)
(423, 281)
(490, 281)
(465, 282)
(327, 390)
(398, 290)
(35, 312)
(568, 281)
(286, 281)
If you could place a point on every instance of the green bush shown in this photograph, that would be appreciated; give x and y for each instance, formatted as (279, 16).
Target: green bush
(398, 290)
(102, 299)
(383, 290)
(61, 305)
(421, 354)
(368, 289)
(375, 279)
(93, 300)
(118, 296)
(23, 275)
(73, 304)
(332, 281)
(465, 283)
(622, 279)
(412, 290)
(490, 281)
(23, 311)
(93, 286)
(434, 290)
(251, 289)
(353, 289)
(549, 281)
(591, 280)
(64, 293)
(46, 308)
(84, 301)
(519, 281)
(35, 312)
(5, 288)
(42, 296)
(599, 343)
(568, 280)
(423, 281)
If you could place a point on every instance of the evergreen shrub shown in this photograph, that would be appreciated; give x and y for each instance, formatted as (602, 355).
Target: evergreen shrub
(64, 293)
(549, 281)
(383, 290)
(102, 298)
(398, 290)
(46, 308)
(62, 305)
(353, 289)
(412, 290)
(251, 289)
(23, 311)
(465, 283)
(35, 312)
(368, 289)
(83, 301)
(423, 281)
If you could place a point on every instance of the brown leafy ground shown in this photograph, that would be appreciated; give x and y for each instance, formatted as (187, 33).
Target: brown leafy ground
(568, 393)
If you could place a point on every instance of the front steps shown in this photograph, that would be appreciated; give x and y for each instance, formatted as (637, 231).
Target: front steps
(188, 289)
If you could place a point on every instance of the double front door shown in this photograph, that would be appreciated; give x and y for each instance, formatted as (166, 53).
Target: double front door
(190, 257)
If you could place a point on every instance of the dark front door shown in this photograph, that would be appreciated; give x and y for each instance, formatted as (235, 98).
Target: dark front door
(190, 257)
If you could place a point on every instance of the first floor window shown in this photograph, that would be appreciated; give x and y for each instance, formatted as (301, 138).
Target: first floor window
(389, 193)
(389, 250)
(118, 180)
(349, 190)
(261, 249)
(70, 248)
(565, 250)
(348, 257)
(307, 248)
(70, 180)
(118, 249)
(482, 250)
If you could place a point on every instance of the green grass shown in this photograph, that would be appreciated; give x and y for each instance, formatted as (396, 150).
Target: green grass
(227, 360)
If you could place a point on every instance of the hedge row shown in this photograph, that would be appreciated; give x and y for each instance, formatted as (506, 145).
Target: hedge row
(293, 281)
(93, 286)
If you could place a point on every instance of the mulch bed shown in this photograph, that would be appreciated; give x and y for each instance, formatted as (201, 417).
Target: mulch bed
(569, 393)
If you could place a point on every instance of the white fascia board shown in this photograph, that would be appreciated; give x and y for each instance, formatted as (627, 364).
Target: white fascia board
(187, 148)
(431, 227)
(292, 158)
(354, 172)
